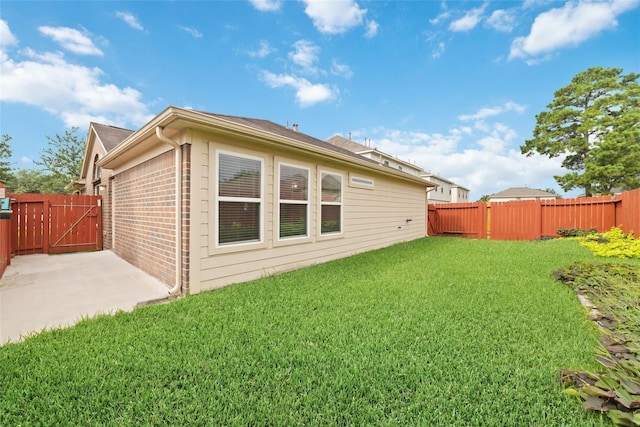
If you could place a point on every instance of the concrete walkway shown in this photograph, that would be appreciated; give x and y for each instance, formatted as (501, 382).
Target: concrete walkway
(45, 291)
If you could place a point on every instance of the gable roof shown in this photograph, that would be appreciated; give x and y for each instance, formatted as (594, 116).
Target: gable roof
(522, 192)
(110, 136)
(173, 120)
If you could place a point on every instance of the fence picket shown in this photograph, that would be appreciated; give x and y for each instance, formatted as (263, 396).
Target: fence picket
(533, 219)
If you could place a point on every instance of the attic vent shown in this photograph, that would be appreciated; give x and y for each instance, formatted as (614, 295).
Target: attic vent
(358, 181)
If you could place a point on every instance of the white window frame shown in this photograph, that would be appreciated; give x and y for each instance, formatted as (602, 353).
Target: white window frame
(281, 201)
(332, 234)
(218, 199)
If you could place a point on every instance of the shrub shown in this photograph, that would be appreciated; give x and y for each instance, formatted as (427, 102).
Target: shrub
(575, 232)
(613, 243)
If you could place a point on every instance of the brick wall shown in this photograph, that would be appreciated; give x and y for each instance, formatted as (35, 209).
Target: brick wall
(144, 216)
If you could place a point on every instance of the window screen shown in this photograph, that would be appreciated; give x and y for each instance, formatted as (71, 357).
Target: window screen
(293, 201)
(331, 203)
(239, 199)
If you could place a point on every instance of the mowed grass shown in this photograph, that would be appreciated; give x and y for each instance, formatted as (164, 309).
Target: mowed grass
(439, 331)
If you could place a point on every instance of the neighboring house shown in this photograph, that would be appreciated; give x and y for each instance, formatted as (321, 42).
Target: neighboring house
(522, 193)
(375, 155)
(203, 200)
(447, 191)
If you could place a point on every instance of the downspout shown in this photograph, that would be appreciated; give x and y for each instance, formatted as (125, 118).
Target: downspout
(176, 289)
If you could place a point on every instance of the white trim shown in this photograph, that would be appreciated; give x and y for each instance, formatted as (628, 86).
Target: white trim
(280, 201)
(217, 199)
(340, 233)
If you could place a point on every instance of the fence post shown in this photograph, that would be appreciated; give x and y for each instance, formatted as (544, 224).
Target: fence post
(46, 226)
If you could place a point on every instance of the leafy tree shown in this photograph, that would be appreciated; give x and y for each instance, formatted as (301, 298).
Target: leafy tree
(592, 122)
(61, 160)
(484, 198)
(5, 164)
(31, 181)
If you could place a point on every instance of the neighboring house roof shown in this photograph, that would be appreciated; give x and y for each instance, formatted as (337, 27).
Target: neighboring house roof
(173, 119)
(522, 192)
(429, 175)
(347, 144)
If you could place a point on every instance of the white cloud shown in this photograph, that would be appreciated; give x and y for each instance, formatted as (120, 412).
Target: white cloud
(25, 159)
(341, 69)
(195, 33)
(443, 16)
(305, 54)
(307, 93)
(263, 51)
(469, 21)
(372, 29)
(6, 36)
(74, 93)
(266, 5)
(483, 161)
(334, 17)
(130, 20)
(71, 40)
(569, 25)
(486, 112)
(485, 158)
(501, 20)
(438, 51)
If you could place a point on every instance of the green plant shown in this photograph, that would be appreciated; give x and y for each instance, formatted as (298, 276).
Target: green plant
(613, 292)
(575, 232)
(613, 243)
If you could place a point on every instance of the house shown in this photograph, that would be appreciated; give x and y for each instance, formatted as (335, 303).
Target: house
(447, 191)
(201, 200)
(375, 155)
(94, 179)
(522, 193)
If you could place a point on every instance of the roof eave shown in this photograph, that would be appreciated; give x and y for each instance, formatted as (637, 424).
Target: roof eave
(179, 118)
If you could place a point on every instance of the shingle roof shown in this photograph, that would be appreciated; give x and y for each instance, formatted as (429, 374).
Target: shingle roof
(110, 135)
(347, 144)
(274, 128)
(523, 192)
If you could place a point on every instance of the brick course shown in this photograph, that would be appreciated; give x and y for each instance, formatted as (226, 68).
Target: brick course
(145, 216)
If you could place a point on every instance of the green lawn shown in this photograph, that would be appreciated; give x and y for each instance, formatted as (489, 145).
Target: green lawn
(439, 331)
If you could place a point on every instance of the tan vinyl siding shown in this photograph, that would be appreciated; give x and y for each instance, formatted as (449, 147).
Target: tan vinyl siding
(372, 217)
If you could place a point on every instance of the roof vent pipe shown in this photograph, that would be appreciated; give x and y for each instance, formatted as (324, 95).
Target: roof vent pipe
(295, 127)
(178, 286)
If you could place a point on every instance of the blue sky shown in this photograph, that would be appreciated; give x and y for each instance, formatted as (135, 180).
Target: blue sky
(452, 86)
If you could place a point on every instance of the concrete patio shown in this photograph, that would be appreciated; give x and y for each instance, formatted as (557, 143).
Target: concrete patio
(47, 291)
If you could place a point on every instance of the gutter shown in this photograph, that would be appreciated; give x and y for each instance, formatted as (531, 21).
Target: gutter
(178, 286)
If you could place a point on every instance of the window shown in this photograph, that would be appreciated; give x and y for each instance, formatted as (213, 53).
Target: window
(239, 199)
(96, 169)
(293, 201)
(330, 203)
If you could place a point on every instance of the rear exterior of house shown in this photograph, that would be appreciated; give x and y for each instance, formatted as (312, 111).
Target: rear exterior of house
(201, 201)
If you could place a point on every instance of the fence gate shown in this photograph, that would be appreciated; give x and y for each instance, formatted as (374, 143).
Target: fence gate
(55, 223)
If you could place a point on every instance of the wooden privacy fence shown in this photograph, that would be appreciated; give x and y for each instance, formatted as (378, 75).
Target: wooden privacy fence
(55, 223)
(533, 219)
(5, 236)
